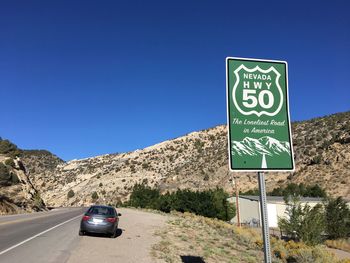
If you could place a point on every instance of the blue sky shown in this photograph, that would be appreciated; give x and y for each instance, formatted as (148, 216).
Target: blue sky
(84, 78)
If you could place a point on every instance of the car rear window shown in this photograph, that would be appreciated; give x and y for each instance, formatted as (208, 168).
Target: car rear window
(101, 211)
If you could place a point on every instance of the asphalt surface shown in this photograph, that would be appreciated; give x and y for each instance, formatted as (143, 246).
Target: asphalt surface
(52, 237)
(39, 237)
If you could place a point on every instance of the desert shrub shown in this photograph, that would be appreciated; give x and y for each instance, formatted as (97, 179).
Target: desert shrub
(70, 193)
(14, 178)
(10, 162)
(311, 254)
(94, 195)
(306, 152)
(8, 148)
(5, 175)
(38, 202)
(301, 253)
(279, 250)
(316, 160)
(145, 165)
(198, 144)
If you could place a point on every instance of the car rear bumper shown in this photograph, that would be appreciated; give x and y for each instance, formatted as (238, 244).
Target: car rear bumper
(95, 228)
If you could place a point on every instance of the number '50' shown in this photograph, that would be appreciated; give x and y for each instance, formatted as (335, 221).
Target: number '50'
(250, 100)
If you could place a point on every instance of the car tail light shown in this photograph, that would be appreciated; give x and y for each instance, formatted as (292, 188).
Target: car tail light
(86, 218)
(111, 219)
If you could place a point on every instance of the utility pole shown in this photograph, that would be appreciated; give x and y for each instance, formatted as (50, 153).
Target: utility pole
(235, 187)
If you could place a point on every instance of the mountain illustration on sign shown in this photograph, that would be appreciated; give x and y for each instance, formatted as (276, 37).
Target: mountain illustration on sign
(264, 146)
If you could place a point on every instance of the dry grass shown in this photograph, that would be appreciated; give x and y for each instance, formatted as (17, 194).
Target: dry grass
(216, 241)
(210, 239)
(343, 244)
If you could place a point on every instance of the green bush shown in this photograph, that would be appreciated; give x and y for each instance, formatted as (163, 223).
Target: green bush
(70, 193)
(337, 215)
(210, 203)
(250, 192)
(306, 222)
(143, 196)
(296, 190)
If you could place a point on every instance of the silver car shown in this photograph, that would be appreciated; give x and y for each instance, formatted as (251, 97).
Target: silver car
(100, 219)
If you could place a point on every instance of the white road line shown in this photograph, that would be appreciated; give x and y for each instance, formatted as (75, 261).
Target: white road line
(45, 231)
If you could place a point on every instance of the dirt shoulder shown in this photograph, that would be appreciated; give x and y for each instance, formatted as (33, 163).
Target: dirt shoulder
(133, 243)
(340, 254)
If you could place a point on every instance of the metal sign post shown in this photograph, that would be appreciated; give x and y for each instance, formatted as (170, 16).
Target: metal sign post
(264, 218)
(259, 134)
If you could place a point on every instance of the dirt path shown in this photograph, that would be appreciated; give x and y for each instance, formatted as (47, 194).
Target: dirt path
(133, 243)
(340, 254)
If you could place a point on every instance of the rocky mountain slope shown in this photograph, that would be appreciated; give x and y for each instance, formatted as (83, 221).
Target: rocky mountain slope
(199, 161)
(17, 193)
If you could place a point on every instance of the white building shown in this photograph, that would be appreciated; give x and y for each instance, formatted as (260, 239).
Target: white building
(249, 207)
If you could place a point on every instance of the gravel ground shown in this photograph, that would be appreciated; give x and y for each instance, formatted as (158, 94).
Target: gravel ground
(133, 243)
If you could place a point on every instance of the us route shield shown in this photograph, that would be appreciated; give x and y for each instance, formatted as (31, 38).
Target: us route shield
(259, 136)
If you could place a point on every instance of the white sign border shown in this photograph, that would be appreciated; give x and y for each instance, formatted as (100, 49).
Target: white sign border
(229, 124)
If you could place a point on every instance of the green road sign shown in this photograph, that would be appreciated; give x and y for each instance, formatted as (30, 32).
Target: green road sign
(258, 115)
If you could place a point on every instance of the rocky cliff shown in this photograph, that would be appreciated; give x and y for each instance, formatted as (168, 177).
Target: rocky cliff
(17, 193)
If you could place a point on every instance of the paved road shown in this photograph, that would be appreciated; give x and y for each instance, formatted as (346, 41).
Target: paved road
(53, 237)
(23, 237)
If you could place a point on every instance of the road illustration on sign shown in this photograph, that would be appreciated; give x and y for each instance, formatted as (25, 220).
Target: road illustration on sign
(259, 127)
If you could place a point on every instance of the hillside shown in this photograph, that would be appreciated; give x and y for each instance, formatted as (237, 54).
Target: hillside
(17, 192)
(199, 161)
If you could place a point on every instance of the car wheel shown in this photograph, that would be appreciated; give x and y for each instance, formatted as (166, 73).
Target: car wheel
(81, 233)
(114, 234)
